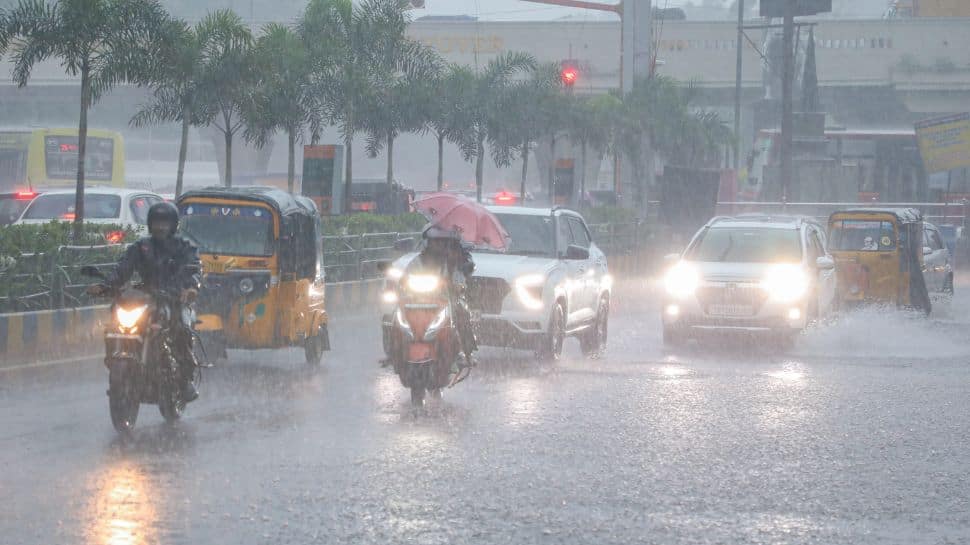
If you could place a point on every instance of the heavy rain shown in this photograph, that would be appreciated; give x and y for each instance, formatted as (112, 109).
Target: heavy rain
(468, 271)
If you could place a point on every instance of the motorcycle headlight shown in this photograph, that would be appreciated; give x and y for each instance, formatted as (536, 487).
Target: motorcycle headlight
(246, 286)
(389, 297)
(785, 283)
(128, 318)
(528, 289)
(681, 280)
(423, 283)
(394, 273)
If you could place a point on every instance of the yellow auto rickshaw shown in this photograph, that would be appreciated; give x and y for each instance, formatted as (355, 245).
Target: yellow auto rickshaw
(879, 257)
(262, 258)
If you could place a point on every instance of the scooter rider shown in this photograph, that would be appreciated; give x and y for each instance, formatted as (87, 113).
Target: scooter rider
(444, 250)
(170, 263)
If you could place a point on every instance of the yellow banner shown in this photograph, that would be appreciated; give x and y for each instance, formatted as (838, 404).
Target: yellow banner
(944, 142)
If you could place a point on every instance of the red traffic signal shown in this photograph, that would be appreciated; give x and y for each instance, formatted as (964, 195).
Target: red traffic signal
(569, 73)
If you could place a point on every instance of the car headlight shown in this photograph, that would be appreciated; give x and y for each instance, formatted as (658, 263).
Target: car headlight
(681, 280)
(128, 318)
(423, 283)
(528, 289)
(246, 286)
(785, 283)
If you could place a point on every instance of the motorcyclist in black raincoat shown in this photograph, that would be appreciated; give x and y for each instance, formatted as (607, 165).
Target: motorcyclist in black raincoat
(168, 263)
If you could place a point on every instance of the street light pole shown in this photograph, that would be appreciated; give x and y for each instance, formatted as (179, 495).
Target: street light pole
(787, 85)
(737, 88)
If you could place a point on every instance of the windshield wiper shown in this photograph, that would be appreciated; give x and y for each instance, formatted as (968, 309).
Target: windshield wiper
(528, 252)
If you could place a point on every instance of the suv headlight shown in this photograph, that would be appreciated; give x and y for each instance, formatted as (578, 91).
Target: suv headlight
(528, 289)
(129, 318)
(423, 283)
(785, 283)
(681, 280)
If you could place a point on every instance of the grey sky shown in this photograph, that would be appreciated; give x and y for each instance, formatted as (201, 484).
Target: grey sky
(508, 9)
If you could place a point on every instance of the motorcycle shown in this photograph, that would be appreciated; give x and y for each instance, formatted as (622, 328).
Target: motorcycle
(139, 354)
(425, 343)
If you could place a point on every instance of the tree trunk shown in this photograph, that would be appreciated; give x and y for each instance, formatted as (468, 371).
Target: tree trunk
(552, 170)
(228, 135)
(480, 168)
(390, 160)
(291, 160)
(582, 176)
(82, 137)
(441, 160)
(525, 169)
(183, 149)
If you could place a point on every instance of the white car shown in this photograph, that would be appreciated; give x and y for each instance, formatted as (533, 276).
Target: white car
(759, 275)
(937, 268)
(551, 283)
(125, 207)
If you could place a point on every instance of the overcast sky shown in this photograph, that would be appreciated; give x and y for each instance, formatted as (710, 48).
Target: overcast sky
(508, 9)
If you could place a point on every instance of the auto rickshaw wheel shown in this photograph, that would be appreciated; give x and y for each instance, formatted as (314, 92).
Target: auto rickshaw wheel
(313, 348)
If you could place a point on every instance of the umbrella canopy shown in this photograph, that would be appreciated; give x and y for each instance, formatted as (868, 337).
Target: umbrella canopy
(472, 221)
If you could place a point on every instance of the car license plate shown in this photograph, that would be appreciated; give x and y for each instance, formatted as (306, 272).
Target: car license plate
(730, 310)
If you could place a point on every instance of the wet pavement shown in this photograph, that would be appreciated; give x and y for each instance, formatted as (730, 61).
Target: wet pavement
(860, 435)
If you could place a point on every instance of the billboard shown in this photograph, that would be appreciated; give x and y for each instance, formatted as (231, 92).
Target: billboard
(944, 142)
(323, 177)
(776, 8)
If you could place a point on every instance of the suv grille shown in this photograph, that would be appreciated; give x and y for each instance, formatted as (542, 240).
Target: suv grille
(732, 294)
(486, 294)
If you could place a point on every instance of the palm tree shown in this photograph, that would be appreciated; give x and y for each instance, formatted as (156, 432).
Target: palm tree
(449, 94)
(487, 109)
(590, 124)
(349, 46)
(175, 95)
(399, 103)
(105, 42)
(279, 101)
(227, 77)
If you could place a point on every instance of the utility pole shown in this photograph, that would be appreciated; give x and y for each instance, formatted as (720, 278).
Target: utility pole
(787, 108)
(737, 88)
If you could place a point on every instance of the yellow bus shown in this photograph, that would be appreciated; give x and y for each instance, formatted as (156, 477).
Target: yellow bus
(42, 158)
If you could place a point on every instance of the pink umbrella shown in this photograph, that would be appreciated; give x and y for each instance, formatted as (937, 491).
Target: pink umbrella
(472, 221)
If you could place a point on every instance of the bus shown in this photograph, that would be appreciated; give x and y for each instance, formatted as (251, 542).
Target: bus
(44, 158)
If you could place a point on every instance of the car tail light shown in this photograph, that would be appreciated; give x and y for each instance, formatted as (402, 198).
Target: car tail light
(114, 237)
(25, 195)
(68, 216)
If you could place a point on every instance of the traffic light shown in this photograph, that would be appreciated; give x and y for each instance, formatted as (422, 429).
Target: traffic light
(569, 73)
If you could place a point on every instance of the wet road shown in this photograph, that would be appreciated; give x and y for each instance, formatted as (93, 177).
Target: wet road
(829, 444)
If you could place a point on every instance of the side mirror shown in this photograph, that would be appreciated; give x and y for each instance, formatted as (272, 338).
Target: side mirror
(577, 252)
(671, 259)
(404, 244)
(92, 271)
(927, 250)
(382, 266)
(825, 263)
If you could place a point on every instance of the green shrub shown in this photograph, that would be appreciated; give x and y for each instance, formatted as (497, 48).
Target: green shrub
(16, 240)
(357, 224)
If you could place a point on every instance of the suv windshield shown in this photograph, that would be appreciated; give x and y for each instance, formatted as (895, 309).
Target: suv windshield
(60, 206)
(748, 245)
(228, 230)
(529, 235)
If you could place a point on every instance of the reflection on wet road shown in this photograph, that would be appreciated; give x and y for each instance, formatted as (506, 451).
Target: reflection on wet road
(857, 436)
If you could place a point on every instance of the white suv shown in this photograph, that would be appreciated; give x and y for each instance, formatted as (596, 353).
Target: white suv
(551, 283)
(754, 274)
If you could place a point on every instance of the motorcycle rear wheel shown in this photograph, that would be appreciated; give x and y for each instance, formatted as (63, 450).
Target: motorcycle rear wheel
(122, 403)
(417, 396)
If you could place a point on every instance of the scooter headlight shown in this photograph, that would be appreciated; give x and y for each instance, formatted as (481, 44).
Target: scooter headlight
(785, 283)
(423, 283)
(129, 318)
(681, 280)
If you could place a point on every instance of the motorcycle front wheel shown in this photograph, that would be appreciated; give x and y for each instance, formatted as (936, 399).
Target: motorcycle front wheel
(123, 402)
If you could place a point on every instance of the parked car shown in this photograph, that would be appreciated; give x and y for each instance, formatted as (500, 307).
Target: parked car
(770, 276)
(937, 261)
(125, 207)
(552, 283)
(12, 205)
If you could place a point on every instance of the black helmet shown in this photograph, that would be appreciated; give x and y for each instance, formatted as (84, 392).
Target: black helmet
(164, 211)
